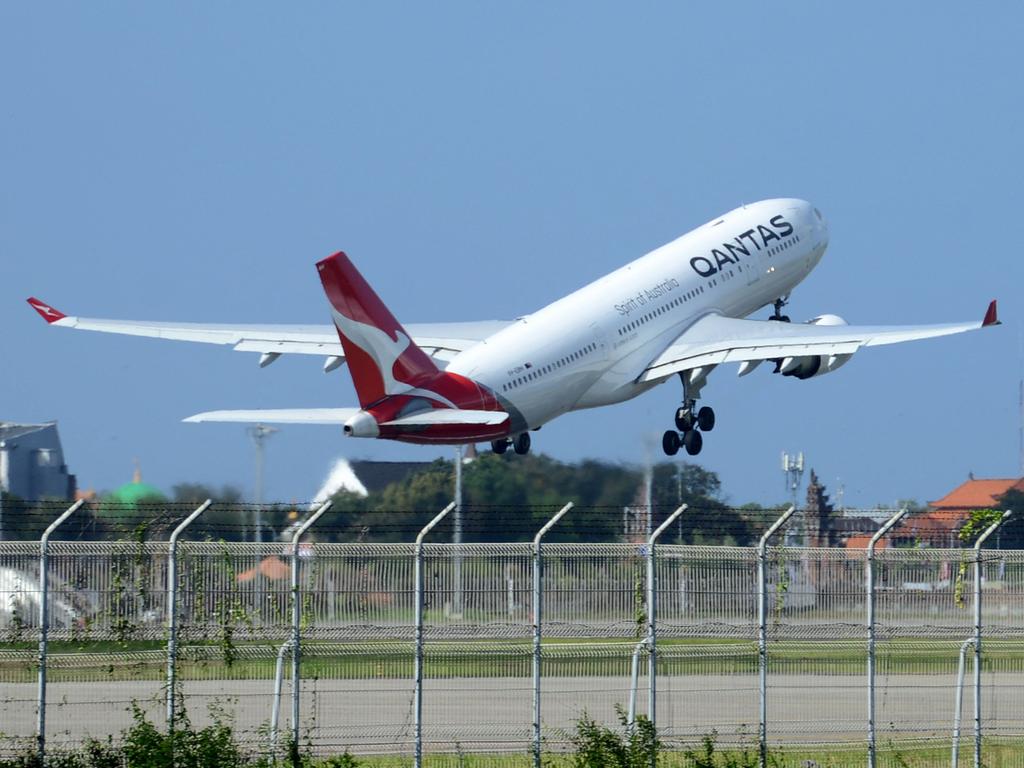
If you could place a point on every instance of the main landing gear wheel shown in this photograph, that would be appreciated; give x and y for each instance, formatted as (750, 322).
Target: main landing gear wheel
(522, 444)
(684, 420)
(499, 446)
(693, 442)
(688, 425)
(706, 419)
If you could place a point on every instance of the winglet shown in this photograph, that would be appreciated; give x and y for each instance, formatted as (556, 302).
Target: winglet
(48, 313)
(990, 316)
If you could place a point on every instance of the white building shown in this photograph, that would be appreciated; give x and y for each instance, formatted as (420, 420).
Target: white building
(32, 462)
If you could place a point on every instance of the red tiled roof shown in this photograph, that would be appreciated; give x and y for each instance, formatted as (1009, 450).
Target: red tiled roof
(941, 521)
(978, 494)
(861, 542)
(272, 568)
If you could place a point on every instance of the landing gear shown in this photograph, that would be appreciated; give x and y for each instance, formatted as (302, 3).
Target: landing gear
(693, 442)
(690, 427)
(690, 423)
(684, 419)
(520, 444)
(779, 304)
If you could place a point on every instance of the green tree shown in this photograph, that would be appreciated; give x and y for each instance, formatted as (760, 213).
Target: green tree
(707, 520)
(508, 498)
(1011, 534)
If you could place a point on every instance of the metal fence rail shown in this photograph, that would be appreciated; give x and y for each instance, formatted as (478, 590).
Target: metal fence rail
(783, 656)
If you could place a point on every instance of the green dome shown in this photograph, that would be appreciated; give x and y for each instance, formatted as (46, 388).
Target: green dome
(133, 493)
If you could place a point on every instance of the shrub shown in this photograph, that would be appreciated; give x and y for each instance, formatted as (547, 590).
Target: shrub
(598, 746)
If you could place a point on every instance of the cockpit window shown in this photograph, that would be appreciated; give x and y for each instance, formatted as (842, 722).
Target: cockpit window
(817, 213)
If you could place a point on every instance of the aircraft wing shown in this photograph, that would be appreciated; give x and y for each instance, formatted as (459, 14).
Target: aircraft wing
(279, 416)
(714, 339)
(440, 340)
(436, 416)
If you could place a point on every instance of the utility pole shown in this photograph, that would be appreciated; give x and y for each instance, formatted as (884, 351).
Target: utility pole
(3, 483)
(679, 499)
(259, 434)
(649, 497)
(457, 534)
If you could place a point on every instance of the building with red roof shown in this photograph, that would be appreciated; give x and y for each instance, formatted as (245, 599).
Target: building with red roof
(977, 494)
(940, 525)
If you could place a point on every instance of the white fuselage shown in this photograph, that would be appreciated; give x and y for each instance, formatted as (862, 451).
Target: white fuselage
(589, 348)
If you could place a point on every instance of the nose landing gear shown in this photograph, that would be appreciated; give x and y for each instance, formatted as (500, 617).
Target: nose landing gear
(777, 314)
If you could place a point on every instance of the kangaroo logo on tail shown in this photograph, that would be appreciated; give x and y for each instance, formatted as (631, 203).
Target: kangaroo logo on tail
(382, 358)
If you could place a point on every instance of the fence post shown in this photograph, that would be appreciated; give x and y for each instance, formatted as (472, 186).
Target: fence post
(652, 653)
(634, 681)
(870, 565)
(418, 660)
(44, 622)
(762, 635)
(977, 633)
(172, 608)
(538, 574)
(297, 616)
(275, 707)
(958, 703)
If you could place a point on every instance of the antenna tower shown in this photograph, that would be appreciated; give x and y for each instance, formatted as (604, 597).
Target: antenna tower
(793, 469)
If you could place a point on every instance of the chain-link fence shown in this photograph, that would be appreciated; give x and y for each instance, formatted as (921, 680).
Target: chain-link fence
(825, 680)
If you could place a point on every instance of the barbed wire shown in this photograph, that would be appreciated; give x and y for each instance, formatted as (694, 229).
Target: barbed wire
(24, 520)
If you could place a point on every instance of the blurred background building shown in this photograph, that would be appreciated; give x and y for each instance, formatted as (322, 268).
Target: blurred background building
(32, 462)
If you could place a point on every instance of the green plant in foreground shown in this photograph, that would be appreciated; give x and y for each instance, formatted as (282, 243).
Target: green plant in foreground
(344, 760)
(598, 746)
(707, 757)
(977, 523)
(146, 747)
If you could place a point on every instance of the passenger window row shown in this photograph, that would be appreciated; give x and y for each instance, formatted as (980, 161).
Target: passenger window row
(676, 302)
(535, 374)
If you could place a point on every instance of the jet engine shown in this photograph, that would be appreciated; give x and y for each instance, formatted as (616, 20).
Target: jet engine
(814, 365)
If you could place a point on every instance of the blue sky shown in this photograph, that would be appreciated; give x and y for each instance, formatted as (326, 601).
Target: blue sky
(478, 161)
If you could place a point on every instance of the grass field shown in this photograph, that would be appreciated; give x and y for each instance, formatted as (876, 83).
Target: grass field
(145, 660)
(890, 756)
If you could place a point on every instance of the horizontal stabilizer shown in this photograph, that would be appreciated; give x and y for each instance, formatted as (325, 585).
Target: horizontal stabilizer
(279, 416)
(441, 416)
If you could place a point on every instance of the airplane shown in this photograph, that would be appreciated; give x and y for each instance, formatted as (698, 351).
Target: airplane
(679, 311)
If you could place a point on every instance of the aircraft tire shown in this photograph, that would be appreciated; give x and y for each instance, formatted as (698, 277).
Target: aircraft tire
(670, 442)
(693, 442)
(684, 419)
(706, 418)
(522, 444)
(499, 446)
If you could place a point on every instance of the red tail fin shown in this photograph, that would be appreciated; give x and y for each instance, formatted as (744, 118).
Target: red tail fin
(381, 356)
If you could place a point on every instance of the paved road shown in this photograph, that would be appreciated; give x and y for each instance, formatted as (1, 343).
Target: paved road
(377, 714)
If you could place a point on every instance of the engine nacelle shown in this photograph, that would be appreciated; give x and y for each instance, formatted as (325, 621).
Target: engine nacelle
(815, 365)
(827, 320)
